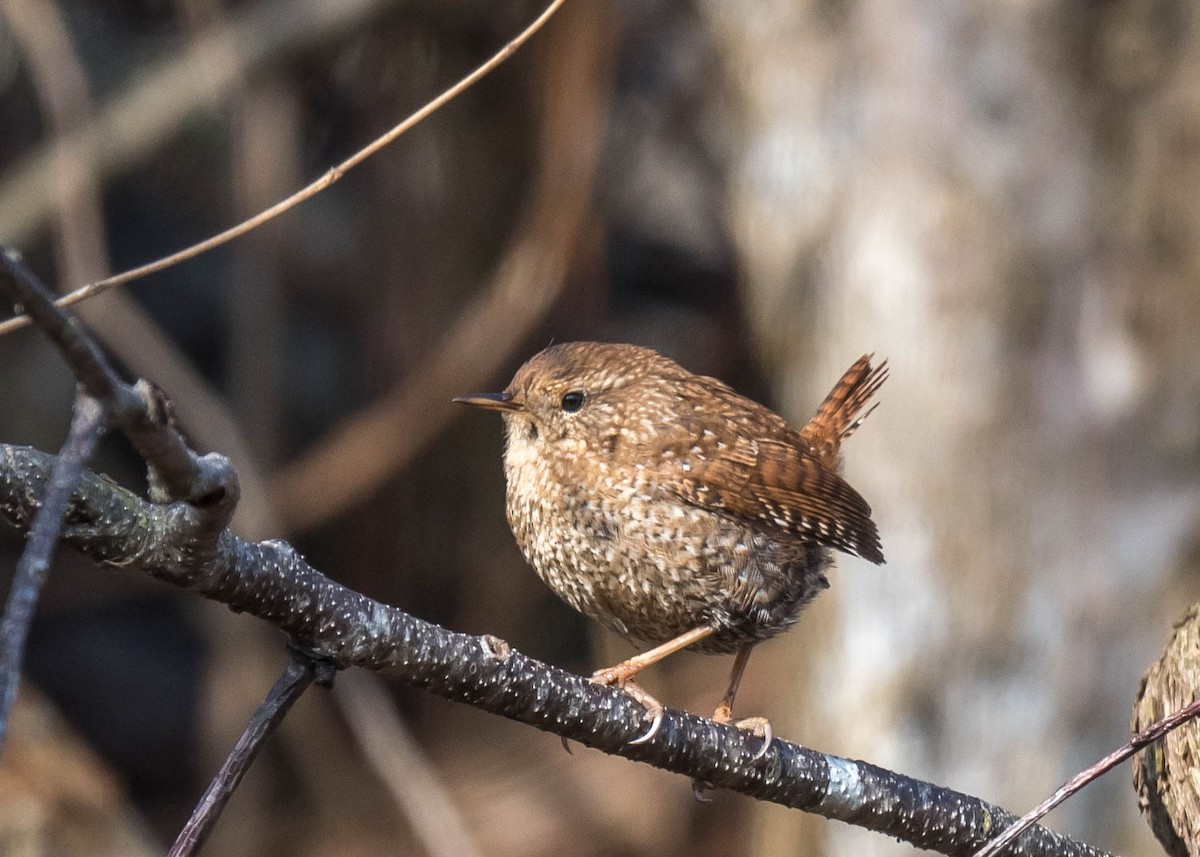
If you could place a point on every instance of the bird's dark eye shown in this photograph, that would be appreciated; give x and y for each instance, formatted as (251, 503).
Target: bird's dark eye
(572, 401)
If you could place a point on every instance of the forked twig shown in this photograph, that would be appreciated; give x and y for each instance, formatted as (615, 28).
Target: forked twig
(1143, 739)
(332, 175)
(141, 412)
(176, 473)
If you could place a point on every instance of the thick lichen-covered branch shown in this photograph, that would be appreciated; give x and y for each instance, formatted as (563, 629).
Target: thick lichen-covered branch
(271, 581)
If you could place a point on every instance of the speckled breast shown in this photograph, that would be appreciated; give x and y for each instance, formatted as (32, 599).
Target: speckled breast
(651, 567)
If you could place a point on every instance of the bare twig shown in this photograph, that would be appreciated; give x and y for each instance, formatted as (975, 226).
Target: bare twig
(86, 427)
(368, 448)
(1142, 739)
(271, 581)
(311, 190)
(293, 681)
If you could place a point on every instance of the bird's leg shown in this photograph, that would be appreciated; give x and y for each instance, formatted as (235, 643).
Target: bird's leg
(760, 726)
(621, 675)
(627, 669)
(724, 712)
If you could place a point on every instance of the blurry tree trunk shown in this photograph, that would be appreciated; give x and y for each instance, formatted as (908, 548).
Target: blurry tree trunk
(1001, 199)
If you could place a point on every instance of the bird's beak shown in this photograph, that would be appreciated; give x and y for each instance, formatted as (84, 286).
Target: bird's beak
(491, 401)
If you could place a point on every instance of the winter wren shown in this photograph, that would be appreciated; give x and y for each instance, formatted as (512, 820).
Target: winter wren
(673, 510)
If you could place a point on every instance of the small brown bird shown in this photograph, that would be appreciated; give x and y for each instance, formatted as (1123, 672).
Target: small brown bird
(673, 510)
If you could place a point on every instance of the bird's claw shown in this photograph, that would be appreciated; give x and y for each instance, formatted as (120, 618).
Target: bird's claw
(655, 724)
(618, 675)
(654, 709)
(759, 726)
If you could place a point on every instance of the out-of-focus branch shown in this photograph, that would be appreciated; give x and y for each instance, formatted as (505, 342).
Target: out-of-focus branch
(210, 61)
(59, 81)
(367, 449)
(271, 581)
(158, 101)
(391, 750)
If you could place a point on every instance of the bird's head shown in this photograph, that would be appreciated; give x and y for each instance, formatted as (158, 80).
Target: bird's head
(575, 398)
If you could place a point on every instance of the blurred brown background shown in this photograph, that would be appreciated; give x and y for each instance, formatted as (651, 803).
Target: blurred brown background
(1002, 198)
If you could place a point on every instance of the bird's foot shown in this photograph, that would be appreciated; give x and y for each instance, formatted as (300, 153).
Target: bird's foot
(620, 677)
(759, 726)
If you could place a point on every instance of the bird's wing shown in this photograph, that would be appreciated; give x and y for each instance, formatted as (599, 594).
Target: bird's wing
(778, 485)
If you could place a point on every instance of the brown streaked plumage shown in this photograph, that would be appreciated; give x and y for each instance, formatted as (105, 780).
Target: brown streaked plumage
(672, 509)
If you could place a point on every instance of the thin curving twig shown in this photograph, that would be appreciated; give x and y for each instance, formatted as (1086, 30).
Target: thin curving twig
(1143, 739)
(330, 177)
(369, 447)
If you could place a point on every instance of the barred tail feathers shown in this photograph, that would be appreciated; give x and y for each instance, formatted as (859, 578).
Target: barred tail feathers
(839, 415)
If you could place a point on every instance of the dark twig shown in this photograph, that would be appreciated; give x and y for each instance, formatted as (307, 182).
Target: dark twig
(86, 427)
(271, 581)
(140, 412)
(1142, 739)
(292, 682)
(83, 356)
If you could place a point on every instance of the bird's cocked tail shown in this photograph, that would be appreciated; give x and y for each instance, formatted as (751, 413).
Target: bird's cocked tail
(838, 416)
